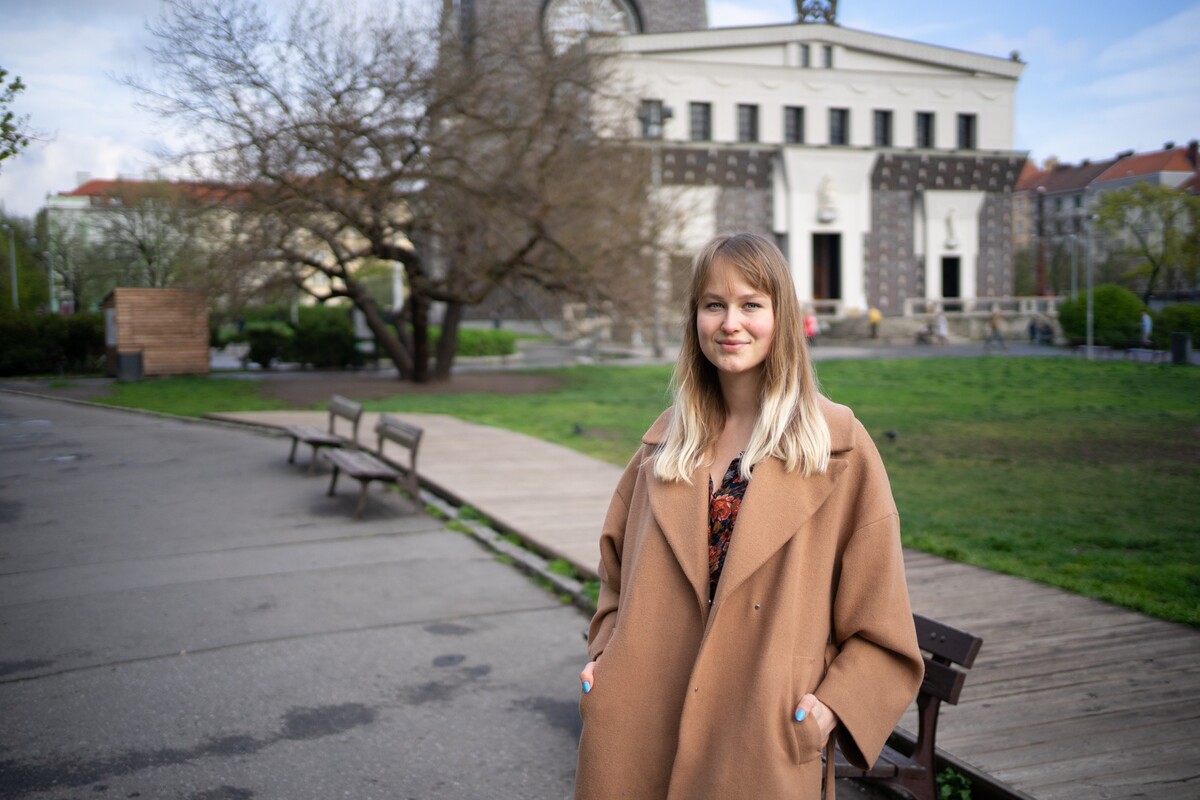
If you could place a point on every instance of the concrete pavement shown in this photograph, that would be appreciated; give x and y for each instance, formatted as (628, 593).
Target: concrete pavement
(184, 615)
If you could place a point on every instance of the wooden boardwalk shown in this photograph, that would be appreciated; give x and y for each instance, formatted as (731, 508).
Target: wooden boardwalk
(1070, 698)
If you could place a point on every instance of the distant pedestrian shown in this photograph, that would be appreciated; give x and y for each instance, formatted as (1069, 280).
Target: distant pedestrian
(811, 327)
(941, 328)
(725, 677)
(1147, 326)
(996, 335)
(874, 316)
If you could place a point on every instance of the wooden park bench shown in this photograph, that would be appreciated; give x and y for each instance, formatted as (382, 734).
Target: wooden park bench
(916, 774)
(366, 466)
(339, 407)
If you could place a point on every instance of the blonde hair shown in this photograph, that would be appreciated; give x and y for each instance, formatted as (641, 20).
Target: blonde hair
(790, 424)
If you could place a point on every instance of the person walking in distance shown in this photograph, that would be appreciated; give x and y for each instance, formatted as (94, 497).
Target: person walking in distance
(753, 607)
(996, 331)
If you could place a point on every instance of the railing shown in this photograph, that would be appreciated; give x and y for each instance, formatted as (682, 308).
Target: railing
(981, 306)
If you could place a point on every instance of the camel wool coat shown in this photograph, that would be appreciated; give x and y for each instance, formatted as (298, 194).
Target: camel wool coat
(692, 700)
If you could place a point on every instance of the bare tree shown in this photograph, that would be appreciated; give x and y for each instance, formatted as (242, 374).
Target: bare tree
(386, 137)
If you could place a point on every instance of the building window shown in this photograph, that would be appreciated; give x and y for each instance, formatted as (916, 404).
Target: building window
(1058, 205)
(1078, 200)
(827, 56)
(805, 56)
(747, 123)
(925, 129)
(651, 116)
(883, 128)
(839, 126)
(700, 115)
(793, 125)
(966, 131)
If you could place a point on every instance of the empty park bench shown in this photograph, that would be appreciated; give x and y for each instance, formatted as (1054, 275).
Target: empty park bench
(366, 466)
(339, 407)
(916, 774)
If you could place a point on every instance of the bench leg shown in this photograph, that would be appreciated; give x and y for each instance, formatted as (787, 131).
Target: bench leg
(362, 500)
(292, 455)
(312, 461)
(333, 481)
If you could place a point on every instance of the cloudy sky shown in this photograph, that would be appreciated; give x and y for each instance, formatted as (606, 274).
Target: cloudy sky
(1102, 75)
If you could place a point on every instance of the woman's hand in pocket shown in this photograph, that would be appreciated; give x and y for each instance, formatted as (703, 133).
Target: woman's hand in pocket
(813, 710)
(588, 676)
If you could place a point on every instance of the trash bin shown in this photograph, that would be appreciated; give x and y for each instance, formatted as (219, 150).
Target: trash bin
(1181, 348)
(129, 366)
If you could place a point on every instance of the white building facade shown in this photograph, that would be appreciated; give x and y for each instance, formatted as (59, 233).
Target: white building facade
(882, 167)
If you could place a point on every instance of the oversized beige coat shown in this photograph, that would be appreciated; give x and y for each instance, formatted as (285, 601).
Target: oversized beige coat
(693, 701)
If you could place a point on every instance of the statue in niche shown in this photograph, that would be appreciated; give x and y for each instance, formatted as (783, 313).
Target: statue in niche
(826, 204)
(951, 239)
(816, 11)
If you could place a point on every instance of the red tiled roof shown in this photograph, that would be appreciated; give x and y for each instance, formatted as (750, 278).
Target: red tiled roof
(1173, 160)
(205, 192)
(1030, 177)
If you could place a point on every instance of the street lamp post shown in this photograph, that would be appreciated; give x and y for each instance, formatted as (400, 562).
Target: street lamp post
(12, 259)
(1090, 223)
(1074, 264)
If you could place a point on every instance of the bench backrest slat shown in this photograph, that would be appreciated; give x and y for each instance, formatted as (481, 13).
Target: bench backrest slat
(942, 681)
(398, 431)
(346, 409)
(945, 642)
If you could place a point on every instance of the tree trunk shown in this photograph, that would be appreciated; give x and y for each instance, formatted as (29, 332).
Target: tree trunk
(449, 341)
(391, 344)
(418, 309)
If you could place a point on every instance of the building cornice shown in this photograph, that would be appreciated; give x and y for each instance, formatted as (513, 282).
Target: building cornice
(650, 44)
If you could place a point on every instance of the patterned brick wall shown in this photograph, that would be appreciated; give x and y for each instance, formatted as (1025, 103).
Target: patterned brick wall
(892, 269)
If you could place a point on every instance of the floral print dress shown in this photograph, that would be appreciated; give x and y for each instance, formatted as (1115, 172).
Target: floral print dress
(723, 505)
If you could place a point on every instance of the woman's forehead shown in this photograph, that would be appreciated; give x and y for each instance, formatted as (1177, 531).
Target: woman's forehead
(726, 279)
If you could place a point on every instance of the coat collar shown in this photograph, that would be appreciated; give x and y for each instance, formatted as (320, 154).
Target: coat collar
(777, 504)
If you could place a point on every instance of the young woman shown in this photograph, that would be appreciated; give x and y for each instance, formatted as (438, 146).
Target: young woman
(752, 592)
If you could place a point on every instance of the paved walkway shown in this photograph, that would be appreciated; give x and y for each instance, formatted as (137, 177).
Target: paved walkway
(1070, 698)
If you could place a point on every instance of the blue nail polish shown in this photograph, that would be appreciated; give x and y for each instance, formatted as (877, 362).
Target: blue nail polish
(800, 715)
(587, 687)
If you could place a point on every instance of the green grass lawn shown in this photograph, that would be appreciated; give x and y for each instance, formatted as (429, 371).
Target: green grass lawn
(191, 396)
(1081, 475)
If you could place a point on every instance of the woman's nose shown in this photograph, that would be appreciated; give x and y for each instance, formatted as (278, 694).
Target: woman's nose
(730, 322)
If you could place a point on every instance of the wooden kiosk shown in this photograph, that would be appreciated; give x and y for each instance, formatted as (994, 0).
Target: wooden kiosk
(149, 332)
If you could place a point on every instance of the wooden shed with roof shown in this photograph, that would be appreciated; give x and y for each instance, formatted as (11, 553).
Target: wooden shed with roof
(151, 332)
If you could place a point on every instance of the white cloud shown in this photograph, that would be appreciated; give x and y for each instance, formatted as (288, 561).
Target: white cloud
(1174, 35)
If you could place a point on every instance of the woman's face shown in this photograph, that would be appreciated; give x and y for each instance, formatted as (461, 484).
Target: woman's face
(734, 321)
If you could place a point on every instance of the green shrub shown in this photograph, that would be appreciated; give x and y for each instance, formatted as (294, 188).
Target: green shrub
(478, 341)
(325, 338)
(1117, 314)
(1184, 318)
(39, 344)
(268, 341)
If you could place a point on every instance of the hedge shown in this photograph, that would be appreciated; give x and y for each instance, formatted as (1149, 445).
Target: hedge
(1183, 318)
(45, 344)
(1116, 316)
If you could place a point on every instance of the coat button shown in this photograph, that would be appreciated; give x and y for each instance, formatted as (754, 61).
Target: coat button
(757, 606)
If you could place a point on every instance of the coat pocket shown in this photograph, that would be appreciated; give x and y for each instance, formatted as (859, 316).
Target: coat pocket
(805, 737)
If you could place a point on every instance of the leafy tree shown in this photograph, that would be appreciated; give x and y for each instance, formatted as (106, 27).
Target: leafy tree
(1158, 221)
(389, 137)
(14, 131)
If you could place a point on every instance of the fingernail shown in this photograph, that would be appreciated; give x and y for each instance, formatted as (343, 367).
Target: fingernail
(800, 715)
(587, 687)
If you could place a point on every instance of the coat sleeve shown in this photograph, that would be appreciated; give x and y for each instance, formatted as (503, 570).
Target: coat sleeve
(878, 668)
(612, 540)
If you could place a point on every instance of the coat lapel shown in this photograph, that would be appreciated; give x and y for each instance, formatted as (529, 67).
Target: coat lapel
(775, 507)
(681, 511)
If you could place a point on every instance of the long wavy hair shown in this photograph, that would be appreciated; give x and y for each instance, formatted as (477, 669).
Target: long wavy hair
(790, 425)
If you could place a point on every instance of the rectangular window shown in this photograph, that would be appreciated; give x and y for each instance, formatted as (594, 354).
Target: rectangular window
(925, 129)
(700, 115)
(827, 56)
(966, 131)
(805, 56)
(839, 126)
(1078, 200)
(747, 122)
(793, 124)
(883, 128)
(651, 116)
